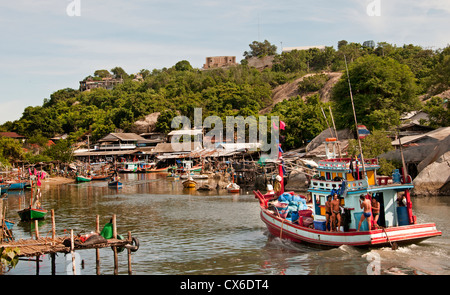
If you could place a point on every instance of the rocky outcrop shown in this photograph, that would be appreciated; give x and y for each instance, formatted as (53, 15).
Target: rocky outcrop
(297, 181)
(148, 124)
(434, 179)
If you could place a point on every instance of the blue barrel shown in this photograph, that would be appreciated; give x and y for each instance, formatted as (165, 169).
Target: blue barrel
(364, 224)
(402, 216)
(320, 225)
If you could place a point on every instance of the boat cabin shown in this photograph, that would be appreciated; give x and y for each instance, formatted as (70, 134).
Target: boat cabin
(350, 178)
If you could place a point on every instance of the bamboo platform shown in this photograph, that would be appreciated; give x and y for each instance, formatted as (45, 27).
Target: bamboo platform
(42, 246)
(35, 247)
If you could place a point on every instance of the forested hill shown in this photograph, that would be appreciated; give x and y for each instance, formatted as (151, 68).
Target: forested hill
(387, 81)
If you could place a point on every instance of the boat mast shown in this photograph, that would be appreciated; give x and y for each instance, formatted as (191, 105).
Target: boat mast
(354, 115)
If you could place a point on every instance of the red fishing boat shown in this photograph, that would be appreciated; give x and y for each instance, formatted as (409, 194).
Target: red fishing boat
(396, 223)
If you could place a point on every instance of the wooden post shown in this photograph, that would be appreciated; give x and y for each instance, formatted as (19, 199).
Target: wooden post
(97, 251)
(97, 227)
(53, 226)
(2, 223)
(72, 246)
(53, 256)
(116, 262)
(114, 221)
(37, 264)
(130, 272)
(36, 228)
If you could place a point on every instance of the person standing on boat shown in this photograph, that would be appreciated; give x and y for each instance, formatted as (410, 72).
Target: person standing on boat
(375, 211)
(336, 212)
(365, 204)
(328, 213)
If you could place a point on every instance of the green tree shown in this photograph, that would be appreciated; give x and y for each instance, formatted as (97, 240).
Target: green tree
(183, 65)
(61, 151)
(380, 87)
(303, 119)
(164, 122)
(102, 73)
(260, 49)
(119, 73)
(10, 150)
(373, 145)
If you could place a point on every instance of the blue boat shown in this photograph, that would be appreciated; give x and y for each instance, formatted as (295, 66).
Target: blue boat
(115, 184)
(4, 188)
(17, 185)
(9, 224)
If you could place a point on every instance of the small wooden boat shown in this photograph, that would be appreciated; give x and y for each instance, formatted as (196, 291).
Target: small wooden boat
(80, 178)
(8, 235)
(158, 170)
(4, 188)
(189, 183)
(173, 176)
(205, 187)
(29, 214)
(17, 185)
(115, 184)
(233, 188)
(9, 224)
(99, 177)
(195, 176)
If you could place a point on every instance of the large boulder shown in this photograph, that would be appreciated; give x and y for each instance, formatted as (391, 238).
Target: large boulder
(434, 179)
(297, 181)
(148, 124)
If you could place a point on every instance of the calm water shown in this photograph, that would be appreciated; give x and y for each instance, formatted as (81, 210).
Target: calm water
(203, 233)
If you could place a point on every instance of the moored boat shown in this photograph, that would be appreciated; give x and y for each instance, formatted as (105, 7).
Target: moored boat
(396, 222)
(189, 183)
(99, 177)
(17, 185)
(29, 214)
(35, 210)
(80, 178)
(115, 184)
(195, 176)
(158, 170)
(233, 188)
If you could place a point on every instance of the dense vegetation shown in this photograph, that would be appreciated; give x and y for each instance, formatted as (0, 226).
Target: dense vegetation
(387, 81)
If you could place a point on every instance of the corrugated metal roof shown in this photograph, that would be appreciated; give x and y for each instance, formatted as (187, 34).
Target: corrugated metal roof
(122, 136)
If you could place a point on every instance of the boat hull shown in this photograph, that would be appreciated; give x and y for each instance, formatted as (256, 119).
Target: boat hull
(17, 186)
(400, 234)
(32, 214)
(100, 177)
(166, 169)
(115, 184)
(82, 179)
(189, 184)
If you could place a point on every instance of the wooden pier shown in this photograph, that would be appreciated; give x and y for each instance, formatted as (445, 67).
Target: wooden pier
(68, 244)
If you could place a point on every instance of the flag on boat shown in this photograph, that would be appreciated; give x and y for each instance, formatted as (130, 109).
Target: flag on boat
(363, 131)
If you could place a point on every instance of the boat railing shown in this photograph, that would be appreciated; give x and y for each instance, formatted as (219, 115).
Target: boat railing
(329, 185)
(324, 184)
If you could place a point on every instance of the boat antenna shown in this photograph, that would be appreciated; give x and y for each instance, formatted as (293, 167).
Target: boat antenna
(354, 115)
(335, 132)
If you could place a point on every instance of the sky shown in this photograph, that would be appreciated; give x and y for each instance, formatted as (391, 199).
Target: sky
(47, 45)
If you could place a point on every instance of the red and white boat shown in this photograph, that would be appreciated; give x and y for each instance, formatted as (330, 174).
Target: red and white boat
(396, 223)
